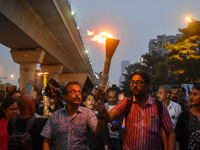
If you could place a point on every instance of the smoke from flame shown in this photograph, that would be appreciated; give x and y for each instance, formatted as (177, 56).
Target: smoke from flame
(101, 37)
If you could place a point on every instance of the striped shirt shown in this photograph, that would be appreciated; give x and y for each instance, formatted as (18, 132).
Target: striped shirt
(143, 125)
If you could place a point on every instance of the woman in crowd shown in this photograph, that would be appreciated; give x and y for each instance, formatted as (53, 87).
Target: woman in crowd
(95, 142)
(189, 120)
(8, 110)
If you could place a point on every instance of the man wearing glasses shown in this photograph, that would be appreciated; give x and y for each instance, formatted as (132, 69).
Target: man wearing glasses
(67, 128)
(142, 129)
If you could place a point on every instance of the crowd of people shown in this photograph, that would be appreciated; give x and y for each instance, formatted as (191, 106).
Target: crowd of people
(107, 119)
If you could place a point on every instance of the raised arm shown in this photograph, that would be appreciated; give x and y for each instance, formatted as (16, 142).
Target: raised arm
(112, 115)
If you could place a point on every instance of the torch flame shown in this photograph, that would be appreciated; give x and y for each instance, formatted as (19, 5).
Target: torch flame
(100, 38)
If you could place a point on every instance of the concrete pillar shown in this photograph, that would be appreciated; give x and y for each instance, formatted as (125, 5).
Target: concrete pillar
(27, 59)
(53, 70)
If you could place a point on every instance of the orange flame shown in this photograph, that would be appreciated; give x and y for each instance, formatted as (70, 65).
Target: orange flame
(100, 38)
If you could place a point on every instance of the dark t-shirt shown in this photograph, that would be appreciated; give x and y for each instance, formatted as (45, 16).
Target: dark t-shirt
(37, 127)
(187, 123)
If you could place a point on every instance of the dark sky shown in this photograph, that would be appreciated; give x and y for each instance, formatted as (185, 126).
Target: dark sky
(133, 22)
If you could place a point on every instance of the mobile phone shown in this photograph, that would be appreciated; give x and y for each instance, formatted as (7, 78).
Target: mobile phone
(28, 87)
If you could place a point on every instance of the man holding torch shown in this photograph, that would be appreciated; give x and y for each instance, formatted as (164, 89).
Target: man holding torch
(142, 128)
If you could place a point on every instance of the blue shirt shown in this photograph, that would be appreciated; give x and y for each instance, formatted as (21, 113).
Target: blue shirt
(69, 133)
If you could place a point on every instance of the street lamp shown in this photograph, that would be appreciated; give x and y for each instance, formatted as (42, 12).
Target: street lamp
(45, 98)
(12, 76)
(75, 15)
(142, 60)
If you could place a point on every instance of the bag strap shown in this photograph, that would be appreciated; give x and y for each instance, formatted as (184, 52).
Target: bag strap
(13, 125)
(128, 105)
(159, 105)
(30, 123)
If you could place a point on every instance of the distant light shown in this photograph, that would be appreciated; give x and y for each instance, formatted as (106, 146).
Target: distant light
(78, 28)
(73, 13)
(86, 51)
(156, 41)
(25, 55)
(12, 76)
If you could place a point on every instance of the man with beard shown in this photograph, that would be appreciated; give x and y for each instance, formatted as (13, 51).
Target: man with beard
(142, 130)
(174, 94)
(67, 128)
(175, 97)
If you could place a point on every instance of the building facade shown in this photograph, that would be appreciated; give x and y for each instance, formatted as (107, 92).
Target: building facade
(124, 63)
(156, 44)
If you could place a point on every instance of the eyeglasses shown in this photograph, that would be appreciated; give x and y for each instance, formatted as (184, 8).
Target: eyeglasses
(137, 83)
(74, 92)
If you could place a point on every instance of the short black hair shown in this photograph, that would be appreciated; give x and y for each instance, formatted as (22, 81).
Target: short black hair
(86, 95)
(12, 93)
(144, 75)
(113, 89)
(196, 87)
(183, 90)
(174, 87)
(64, 91)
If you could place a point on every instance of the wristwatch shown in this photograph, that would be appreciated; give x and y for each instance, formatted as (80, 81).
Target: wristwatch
(110, 125)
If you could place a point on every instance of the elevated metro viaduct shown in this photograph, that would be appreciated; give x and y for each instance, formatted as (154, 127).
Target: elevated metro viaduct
(45, 32)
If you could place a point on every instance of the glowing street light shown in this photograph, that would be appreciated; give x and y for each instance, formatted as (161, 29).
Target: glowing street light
(73, 13)
(12, 76)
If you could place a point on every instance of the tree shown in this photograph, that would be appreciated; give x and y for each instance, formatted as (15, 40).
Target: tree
(184, 56)
(148, 64)
(192, 29)
(161, 73)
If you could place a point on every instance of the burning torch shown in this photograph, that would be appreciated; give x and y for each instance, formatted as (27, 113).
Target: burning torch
(111, 45)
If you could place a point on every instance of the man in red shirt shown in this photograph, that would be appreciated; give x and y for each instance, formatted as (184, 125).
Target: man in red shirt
(142, 130)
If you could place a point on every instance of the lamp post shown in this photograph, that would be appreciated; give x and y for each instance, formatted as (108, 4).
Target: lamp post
(45, 98)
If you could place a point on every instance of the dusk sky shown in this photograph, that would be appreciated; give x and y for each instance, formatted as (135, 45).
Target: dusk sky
(133, 22)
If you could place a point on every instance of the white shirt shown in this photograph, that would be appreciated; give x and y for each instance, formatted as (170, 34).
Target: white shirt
(174, 110)
(114, 134)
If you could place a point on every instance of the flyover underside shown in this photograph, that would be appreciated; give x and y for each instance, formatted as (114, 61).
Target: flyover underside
(48, 25)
